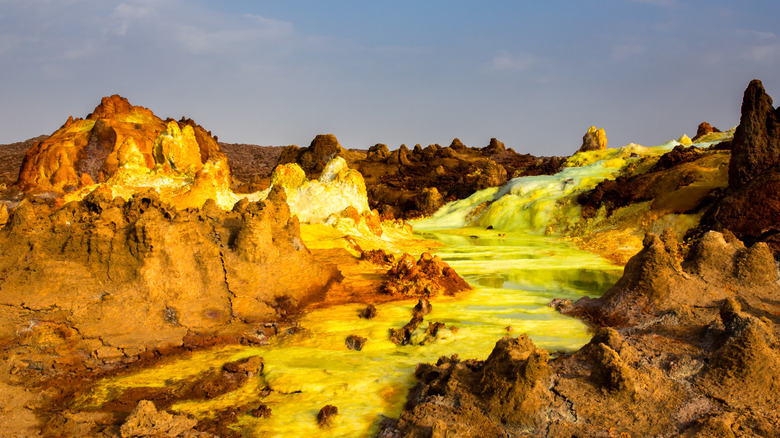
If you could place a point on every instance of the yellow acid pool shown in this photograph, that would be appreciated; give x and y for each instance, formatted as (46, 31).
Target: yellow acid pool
(514, 276)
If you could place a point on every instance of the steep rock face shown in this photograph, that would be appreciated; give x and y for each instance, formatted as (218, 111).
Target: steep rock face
(756, 144)
(85, 151)
(751, 205)
(115, 278)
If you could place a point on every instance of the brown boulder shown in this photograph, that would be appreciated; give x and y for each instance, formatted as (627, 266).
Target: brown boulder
(458, 145)
(323, 148)
(378, 152)
(326, 415)
(495, 147)
(429, 200)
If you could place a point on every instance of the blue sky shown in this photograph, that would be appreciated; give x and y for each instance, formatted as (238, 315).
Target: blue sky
(535, 74)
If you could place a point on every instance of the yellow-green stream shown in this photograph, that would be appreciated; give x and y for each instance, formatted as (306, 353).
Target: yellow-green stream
(514, 276)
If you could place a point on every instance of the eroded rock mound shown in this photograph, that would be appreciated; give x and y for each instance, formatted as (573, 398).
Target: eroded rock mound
(655, 282)
(115, 278)
(427, 277)
(507, 392)
(86, 151)
(147, 421)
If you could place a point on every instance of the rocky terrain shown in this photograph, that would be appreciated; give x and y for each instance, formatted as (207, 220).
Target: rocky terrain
(251, 165)
(678, 350)
(128, 245)
(408, 183)
(129, 239)
(685, 344)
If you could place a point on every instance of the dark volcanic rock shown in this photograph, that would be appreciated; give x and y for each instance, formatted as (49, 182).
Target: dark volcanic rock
(368, 313)
(751, 205)
(756, 144)
(355, 342)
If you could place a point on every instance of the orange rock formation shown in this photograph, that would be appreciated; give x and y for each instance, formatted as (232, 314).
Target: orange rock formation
(87, 151)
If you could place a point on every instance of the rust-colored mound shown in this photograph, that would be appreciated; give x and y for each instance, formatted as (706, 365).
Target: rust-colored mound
(114, 278)
(85, 151)
(428, 277)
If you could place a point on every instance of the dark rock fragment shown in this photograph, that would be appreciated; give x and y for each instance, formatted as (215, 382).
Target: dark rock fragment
(368, 313)
(326, 414)
(355, 342)
(262, 411)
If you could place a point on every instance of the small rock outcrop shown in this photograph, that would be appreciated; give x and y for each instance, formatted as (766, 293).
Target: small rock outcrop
(594, 140)
(313, 159)
(147, 421)
(703, 129)
(326, 415)
(427, 277)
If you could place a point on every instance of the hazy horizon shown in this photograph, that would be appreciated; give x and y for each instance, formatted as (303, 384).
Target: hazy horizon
(535, 76)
